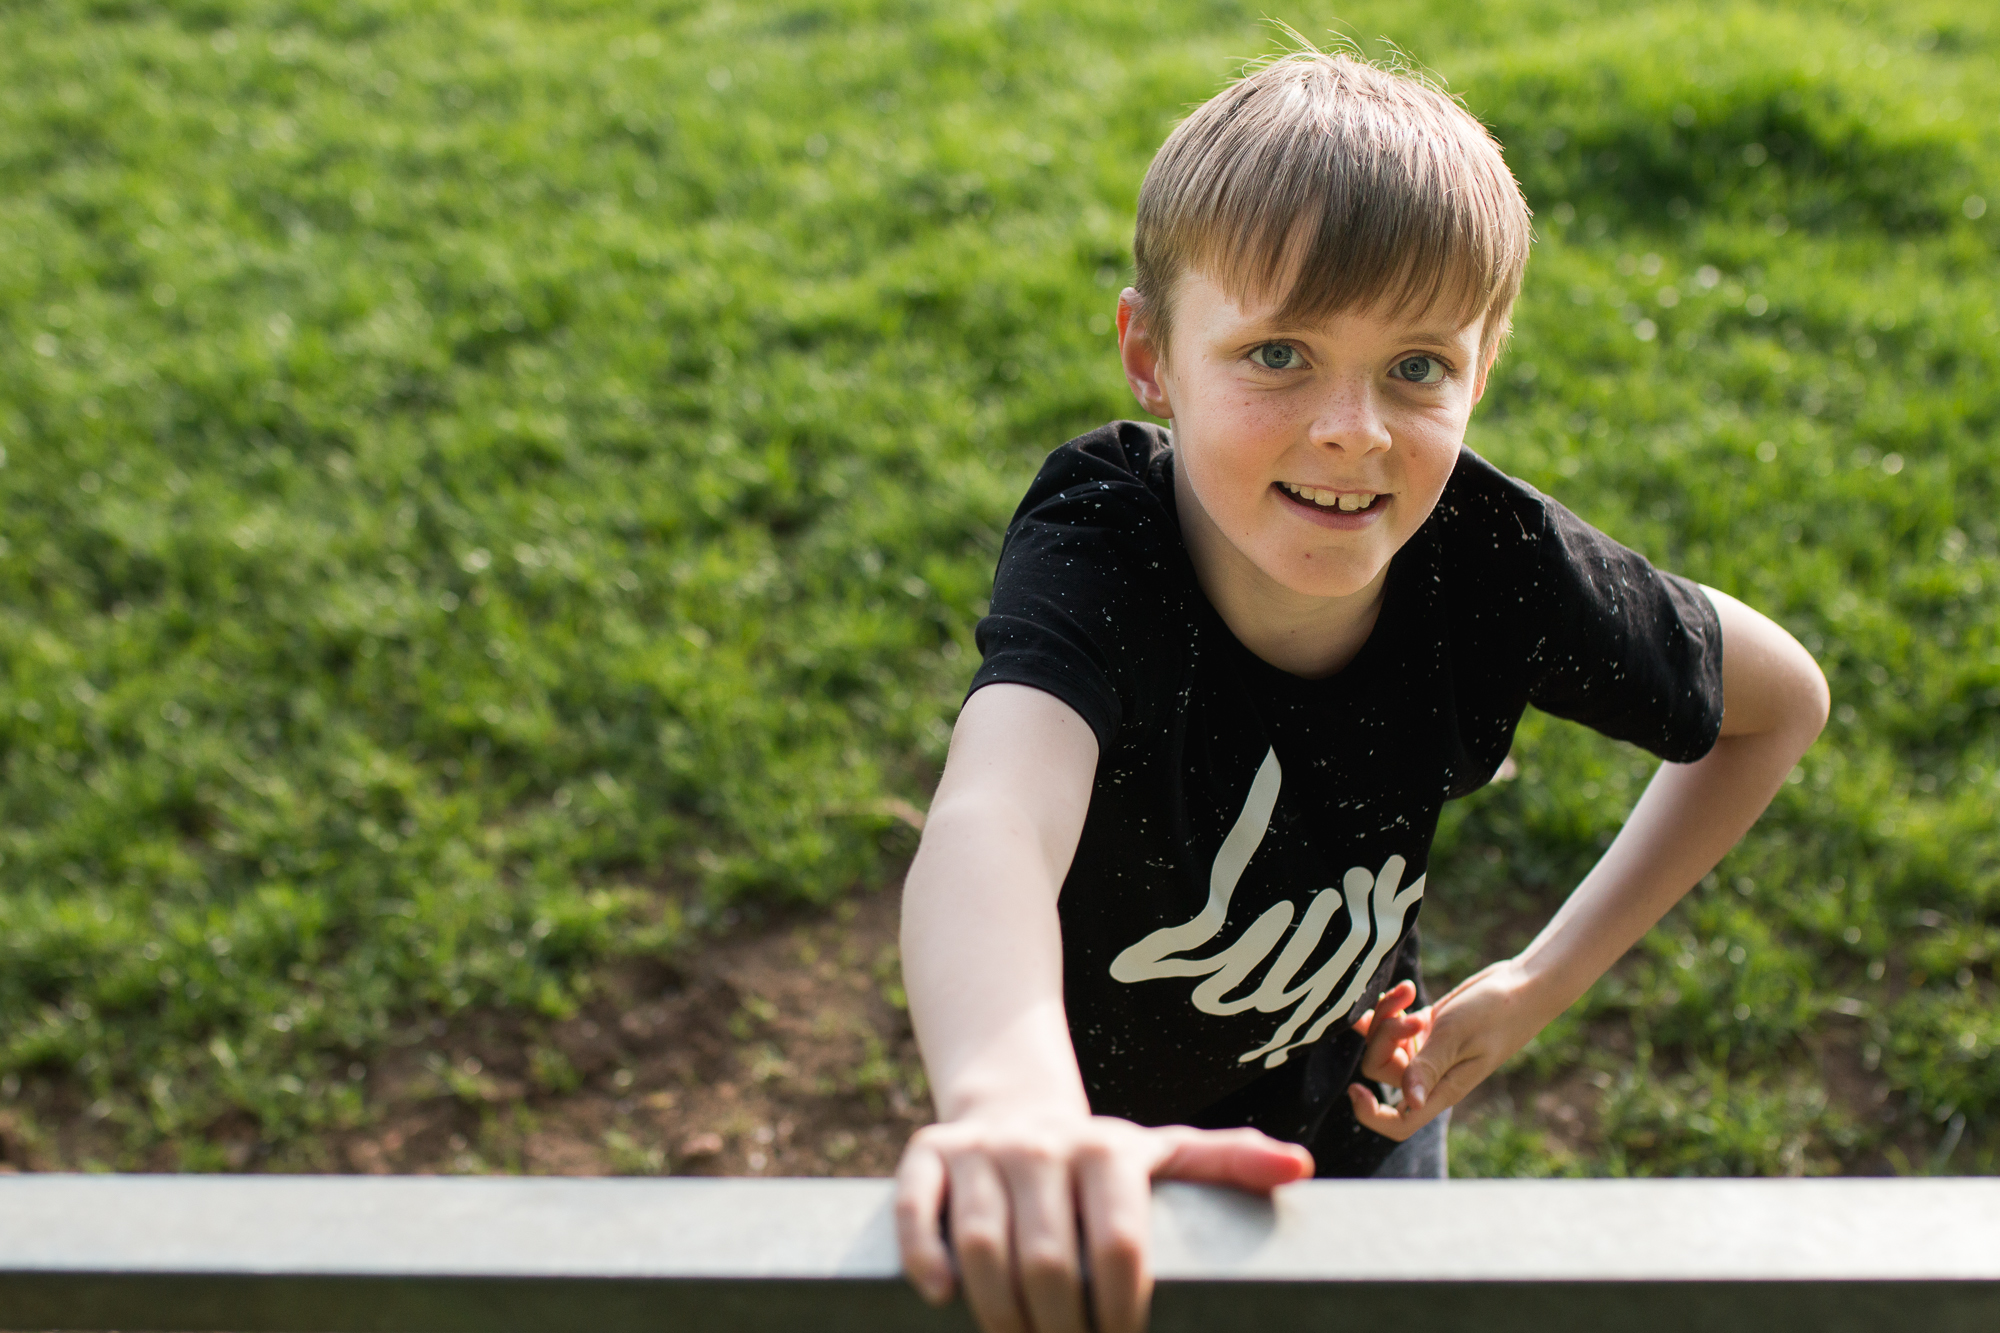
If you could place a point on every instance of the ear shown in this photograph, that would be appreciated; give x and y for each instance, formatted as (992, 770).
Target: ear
(1479, 380)
(1486, 365)
(1141, 355)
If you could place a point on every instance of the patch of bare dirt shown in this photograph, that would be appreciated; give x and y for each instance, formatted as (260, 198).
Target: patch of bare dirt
(783, 1049)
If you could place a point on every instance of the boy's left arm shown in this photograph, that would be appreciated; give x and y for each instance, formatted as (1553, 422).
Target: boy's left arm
(1774, 704)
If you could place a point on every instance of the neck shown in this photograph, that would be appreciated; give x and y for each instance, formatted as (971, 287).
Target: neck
(1307, 636)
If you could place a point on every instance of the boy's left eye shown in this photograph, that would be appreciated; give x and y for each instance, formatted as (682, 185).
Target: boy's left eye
(1419, 369)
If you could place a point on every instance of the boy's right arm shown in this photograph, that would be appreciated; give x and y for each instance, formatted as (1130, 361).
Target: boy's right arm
(1016, 1158)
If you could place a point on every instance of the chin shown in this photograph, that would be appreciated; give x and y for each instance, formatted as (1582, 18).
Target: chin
(1330, 583)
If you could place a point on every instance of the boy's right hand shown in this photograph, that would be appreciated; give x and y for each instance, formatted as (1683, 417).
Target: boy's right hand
(1016, 1186)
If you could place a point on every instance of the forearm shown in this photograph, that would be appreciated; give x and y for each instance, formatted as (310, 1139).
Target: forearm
(1691, 814)
(1688, 818)
(982, 954)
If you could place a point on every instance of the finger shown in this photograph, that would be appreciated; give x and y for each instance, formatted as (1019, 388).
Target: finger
(1413, 1025)
(1391, 1034)
(1045, 1263)
(1385, 1064)
(1389, 1067)
(1391, 1048)
(1376, 1023)
(1397, 998)
(1390, 1122)
(1368, 1109)
(1115, 1196)
(1244, 1158)
(920, 1182)
(981, 1233)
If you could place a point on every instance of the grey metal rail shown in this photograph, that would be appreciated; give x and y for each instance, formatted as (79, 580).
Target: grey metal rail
(434, 1255)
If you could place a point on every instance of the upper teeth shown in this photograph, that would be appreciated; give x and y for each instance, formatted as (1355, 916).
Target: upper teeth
(1328, 499)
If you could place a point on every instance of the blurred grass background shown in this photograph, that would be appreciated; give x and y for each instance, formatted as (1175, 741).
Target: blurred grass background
(491, 490)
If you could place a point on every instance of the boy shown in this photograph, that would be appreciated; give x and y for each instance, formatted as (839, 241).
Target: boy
(1162, 920)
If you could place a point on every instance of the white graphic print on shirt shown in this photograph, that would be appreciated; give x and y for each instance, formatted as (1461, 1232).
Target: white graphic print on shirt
(1371, 899)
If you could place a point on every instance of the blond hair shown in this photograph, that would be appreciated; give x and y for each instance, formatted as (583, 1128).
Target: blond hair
(1339, 185)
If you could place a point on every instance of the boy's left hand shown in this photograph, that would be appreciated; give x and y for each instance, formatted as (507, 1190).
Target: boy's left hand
(1437, 1055)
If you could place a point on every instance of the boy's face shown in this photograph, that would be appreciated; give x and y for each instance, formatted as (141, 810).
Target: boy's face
(1312, 453)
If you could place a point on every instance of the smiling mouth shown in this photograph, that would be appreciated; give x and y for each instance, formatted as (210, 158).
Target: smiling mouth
(1347, 502)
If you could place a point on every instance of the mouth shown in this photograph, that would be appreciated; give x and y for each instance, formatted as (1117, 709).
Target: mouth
(1331, 501)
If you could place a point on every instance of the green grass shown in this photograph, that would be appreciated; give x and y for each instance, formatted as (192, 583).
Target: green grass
(490, 490)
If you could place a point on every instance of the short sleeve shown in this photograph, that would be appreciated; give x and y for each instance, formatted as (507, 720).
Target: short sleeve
(1085, 580)
(1624, 648)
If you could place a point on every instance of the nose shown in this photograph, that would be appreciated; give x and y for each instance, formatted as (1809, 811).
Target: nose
(1349, 418)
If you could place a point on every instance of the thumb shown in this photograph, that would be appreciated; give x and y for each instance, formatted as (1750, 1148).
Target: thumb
(1243, 1158)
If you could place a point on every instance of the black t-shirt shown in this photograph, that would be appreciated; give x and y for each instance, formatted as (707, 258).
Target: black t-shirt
(1253, 861)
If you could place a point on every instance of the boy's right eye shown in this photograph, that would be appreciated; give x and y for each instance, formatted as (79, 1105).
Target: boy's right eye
(1276, 356)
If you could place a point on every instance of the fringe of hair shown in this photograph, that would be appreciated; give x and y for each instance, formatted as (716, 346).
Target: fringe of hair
(1329, 183)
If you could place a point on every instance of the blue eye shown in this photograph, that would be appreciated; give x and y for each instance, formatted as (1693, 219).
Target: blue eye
(1420, 370)
(1276, 356)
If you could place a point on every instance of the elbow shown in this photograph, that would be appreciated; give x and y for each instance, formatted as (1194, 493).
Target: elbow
(1822, 700)
(1772, 685)
(1784, 697)
(1812, 700)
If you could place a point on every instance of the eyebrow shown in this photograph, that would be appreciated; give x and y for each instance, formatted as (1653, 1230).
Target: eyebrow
(1275, 329)
(1444, 338)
